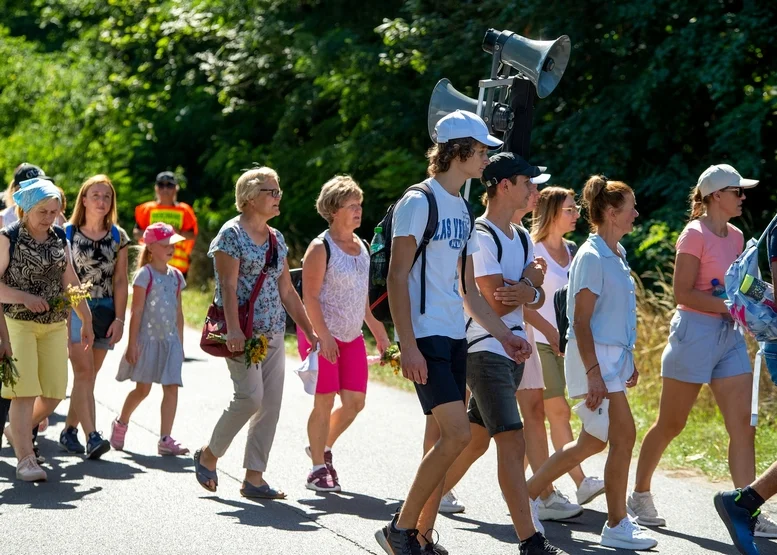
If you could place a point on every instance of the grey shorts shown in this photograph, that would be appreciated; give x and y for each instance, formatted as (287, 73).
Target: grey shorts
(703, 348)
(493, 380)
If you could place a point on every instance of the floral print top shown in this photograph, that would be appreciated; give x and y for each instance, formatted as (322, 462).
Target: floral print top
(233, 240)
(95, 261)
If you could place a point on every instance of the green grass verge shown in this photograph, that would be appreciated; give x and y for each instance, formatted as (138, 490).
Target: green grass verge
(702, 445)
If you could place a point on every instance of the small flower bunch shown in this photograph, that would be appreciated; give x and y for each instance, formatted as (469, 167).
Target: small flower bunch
(392, 357)
(255, 349)
(72, 297)
(9, 374)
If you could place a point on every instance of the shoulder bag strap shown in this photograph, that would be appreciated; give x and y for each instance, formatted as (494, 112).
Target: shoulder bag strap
(269, 257)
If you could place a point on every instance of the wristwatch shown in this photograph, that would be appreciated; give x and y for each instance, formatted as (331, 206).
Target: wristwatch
(536, 296)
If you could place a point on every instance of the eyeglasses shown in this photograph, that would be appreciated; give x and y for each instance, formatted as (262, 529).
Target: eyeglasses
(572, 209)
(352, 207)
(738, 191)
(276, 193)
(167, 185)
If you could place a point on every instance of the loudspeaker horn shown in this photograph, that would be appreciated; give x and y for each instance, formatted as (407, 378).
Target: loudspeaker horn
(446, 99)
(543, 62)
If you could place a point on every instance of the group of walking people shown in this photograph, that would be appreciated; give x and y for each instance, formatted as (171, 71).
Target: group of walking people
(64, 291)
(479, 314)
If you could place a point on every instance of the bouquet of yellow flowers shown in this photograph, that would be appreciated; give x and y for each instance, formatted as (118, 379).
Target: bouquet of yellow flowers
(72, 297)
(392, 357)
(255, 350)
(9, 374)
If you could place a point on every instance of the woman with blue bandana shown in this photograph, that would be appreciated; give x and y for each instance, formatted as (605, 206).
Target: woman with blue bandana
(35, 269)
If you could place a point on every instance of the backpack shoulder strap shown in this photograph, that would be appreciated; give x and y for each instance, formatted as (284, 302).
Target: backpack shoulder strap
(61, 233)
(116, 236)
(524, 242)
(481, 225)
(572, 248)
(150, 280)
(12, 231)
(70, 231)
(464, 250)
(431, 227)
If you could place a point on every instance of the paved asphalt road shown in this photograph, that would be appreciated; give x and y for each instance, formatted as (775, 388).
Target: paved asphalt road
(137, 502)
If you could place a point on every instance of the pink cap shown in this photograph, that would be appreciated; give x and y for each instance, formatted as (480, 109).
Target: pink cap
(163, 233)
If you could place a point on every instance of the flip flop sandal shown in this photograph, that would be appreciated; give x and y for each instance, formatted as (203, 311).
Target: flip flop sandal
(262, 492)
(204, 475)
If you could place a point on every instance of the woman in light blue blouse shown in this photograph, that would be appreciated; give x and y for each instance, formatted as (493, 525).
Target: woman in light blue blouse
(599, 364)
(239, 252)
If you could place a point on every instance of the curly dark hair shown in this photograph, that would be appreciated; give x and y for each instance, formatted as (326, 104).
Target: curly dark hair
(441, 155)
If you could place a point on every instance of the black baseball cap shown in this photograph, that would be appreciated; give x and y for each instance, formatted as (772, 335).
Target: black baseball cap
(506, 164)
(26, 171)
(166, 177)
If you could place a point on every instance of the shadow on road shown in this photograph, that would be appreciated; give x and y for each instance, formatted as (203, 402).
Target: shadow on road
(272, 514)
(157, 462)
(347, 503)
(54, 494)
(713, 546)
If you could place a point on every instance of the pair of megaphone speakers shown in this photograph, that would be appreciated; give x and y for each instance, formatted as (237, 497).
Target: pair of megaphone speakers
(540, 62)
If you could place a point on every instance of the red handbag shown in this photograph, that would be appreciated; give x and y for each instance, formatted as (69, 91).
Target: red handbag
(216, 321)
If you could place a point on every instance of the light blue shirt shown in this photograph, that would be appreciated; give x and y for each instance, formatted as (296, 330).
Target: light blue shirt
(608, 276)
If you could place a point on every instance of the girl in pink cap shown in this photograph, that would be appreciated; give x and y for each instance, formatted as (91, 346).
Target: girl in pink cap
(155, 349)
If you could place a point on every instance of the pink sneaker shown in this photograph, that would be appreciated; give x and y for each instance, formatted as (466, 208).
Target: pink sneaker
(321, 480)
(169, 446)
(118, 431)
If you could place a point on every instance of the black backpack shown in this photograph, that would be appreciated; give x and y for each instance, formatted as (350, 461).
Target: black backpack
(560, 306)
(380, 254)
(12, 232)
(481, 225)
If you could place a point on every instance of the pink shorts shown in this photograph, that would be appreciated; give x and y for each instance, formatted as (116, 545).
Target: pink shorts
(350, 370)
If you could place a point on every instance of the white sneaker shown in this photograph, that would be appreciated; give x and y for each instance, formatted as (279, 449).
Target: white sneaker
(591, 488)
(534, 505)
(557, 507)
(627, 535)
(641, 506)
(450, 504)
(765, 527)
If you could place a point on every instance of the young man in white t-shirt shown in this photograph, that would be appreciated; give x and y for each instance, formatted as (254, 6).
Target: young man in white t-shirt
(509, 279)
(433, 340)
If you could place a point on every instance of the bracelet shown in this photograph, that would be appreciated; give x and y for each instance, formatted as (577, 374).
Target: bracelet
(527, 280)
(592, 367)
(119, 320)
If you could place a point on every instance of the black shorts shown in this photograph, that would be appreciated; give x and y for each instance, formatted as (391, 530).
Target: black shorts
(493, 381)
(446, 364)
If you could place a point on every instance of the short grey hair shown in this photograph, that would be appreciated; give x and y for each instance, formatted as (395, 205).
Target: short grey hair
(248, 184)
(334, 193)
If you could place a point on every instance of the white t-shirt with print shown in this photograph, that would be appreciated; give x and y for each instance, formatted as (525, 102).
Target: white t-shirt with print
(485, 263)
(444, 313)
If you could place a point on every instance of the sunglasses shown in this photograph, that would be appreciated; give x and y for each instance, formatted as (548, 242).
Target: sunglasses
(738, 191)
(167, 185)
(572, 209)
(276, 193)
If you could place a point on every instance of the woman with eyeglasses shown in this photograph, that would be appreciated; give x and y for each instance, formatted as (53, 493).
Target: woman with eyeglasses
(167, 209)
(335, 275)
(704, 346)
(556, 215)
(240, 256)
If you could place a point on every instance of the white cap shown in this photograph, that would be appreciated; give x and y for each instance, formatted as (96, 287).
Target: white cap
(461, 125)
(542, 178)
(722, 176)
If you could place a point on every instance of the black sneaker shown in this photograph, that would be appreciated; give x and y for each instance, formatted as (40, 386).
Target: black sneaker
(96, 446)
(68, 440)
(432, 547)
(398, 542)
(40, 459)
(538, 545)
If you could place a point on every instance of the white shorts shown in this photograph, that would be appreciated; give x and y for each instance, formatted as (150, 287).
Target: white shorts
(532, 370)
(611, 363)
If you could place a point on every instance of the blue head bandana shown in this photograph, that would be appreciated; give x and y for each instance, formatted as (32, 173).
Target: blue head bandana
(34, 191)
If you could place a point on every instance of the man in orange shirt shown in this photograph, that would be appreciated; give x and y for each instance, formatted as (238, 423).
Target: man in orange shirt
(167, 209)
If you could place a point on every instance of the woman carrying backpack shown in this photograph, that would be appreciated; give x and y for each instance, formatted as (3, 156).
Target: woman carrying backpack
(704, 346)
(35, 270)
(555, 215)
(334, 280)
(99, 248)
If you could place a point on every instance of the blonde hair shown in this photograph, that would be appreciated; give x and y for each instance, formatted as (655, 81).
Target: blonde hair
(79, 212)
(334, 193)
(248, 185)
(144, 257)
(698, 204)
(13, 186)
(548, 210)
(600, 194)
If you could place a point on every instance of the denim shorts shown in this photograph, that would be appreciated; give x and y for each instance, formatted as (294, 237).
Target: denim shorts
(702, 348)
(75, 325)
(493, 380)
(446, 364)
(769, 353)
